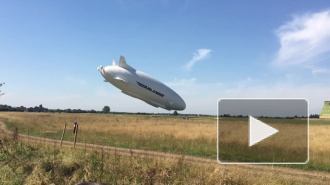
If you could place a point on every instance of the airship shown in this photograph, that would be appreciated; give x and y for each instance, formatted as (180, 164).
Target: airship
(140, 85)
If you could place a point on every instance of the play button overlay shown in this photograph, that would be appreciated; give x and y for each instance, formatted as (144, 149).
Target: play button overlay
(259, 131)
(262, 131)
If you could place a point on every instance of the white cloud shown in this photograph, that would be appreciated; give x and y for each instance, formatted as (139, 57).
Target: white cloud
(305, 39)
(180, 82)
(244, 82)
(316, 71)
(75, 80)
(200, 55)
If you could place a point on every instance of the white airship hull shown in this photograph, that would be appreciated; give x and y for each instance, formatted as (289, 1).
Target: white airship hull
(141, 86)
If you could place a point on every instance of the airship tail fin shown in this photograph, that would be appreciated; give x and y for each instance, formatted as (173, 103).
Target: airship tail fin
(123, 64)
(122, 60)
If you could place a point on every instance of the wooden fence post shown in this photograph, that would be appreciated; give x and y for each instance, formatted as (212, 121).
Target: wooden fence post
(75, 136)
(63, 133)
(15, 134)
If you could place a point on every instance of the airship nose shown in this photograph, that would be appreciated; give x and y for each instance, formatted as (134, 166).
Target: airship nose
(106, 72)
(100, 68)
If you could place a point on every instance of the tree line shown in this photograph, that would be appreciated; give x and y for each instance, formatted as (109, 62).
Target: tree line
(40, 108)
(288, 117)
(314, 116)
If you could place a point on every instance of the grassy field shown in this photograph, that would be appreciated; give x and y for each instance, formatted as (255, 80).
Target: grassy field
(167, 134)
(197, 136)
(22, 163)
(288, 145)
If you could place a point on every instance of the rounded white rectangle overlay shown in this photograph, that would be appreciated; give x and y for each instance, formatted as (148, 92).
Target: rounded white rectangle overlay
(307, 122)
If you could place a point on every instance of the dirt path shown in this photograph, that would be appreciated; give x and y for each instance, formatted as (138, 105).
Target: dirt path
(263, 171)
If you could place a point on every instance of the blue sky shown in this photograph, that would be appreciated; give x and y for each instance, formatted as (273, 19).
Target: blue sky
(204, 50)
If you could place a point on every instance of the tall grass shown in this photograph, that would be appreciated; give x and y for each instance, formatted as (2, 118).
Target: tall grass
(196, 136)
(38, 164)
(165, 134)
(288, 145)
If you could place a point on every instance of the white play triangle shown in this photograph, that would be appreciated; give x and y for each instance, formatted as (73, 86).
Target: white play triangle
(259, 131)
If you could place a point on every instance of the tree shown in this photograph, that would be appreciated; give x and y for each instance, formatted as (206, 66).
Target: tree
(175, 113)
(106, 109)
(40, 108)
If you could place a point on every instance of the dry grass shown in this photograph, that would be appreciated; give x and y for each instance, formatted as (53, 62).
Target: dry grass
(176, 127)
(319, 138)
(228, 132)
(288, 145)
(193, 136)
(169, 134)
(38, 164)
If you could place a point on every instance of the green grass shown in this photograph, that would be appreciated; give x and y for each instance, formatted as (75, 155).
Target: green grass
(319, 122)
